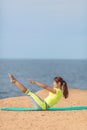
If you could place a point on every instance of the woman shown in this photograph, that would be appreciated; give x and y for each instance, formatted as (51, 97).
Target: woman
(60, 88)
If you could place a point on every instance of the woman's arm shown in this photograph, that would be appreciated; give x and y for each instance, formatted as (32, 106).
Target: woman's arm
(43, 86)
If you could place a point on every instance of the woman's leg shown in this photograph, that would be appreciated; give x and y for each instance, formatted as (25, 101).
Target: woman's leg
(36, 99)
(17, 83)
(34, 103)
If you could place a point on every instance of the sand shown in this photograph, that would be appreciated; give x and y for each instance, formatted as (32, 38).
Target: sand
(45, 120)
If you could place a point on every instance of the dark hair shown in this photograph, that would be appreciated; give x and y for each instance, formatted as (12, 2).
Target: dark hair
(63, 85)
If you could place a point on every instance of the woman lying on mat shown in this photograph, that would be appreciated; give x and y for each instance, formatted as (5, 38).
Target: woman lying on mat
(60, 88)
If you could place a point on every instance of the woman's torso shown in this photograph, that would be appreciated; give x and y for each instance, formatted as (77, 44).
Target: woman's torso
(52, 99)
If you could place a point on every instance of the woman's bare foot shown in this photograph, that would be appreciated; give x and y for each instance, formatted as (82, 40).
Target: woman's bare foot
(12, 78)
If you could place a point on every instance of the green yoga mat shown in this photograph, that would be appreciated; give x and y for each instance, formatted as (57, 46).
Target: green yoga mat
(49, 109)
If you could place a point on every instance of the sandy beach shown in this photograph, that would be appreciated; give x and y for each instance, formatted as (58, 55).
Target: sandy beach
(46, 120)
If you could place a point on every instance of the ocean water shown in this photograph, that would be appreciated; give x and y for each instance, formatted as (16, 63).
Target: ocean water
(73, 71)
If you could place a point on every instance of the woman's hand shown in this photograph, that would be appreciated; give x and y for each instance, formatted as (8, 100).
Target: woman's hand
(32, 81)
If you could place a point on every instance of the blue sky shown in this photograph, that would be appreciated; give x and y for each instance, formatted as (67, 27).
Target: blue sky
(48, 29)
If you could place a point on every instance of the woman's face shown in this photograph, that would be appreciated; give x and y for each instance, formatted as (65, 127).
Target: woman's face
(54, 83)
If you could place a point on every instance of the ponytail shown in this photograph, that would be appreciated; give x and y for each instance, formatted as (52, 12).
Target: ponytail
(65, 90)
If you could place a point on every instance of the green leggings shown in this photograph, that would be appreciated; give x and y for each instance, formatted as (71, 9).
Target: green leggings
(37, 101)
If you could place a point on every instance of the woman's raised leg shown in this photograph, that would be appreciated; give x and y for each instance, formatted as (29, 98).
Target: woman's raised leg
(36, 99)
(17, 83)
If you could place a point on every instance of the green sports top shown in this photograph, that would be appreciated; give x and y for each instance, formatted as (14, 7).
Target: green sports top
(53, 98)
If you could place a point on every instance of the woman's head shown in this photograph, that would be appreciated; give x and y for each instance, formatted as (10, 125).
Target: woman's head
(59, 81)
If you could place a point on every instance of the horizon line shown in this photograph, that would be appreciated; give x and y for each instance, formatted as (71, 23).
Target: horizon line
(43, 59)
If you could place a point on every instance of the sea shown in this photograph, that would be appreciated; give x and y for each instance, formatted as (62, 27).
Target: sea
(74, 73)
